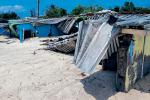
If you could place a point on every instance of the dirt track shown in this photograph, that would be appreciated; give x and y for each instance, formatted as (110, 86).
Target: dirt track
(27, 73)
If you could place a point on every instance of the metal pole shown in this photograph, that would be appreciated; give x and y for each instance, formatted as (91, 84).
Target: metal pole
(38, 8)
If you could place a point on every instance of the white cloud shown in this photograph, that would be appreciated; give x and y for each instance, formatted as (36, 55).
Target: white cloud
(15, 8)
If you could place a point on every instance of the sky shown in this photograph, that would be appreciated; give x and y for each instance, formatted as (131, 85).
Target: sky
(23, 7)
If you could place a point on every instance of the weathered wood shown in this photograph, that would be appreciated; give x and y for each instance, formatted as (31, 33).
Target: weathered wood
(132, 31)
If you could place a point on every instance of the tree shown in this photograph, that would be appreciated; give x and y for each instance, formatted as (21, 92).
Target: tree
(128, 7)
(142, 10)
(132, 7)
(99, 8)
(88, 9)
(54, 11)
(62, 12)
(83, 10)
(77, 10)
(116, 9)
(9, 15)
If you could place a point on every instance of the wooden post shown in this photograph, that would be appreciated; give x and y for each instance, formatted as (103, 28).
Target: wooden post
(143, 54)
(22, 36)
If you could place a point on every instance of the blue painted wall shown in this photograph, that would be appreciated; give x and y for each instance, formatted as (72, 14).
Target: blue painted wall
(25, 26)
(47, 30)
(55, 31)
(40, 31)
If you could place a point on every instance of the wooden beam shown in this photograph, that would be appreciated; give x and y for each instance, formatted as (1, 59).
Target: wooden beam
(132, 31)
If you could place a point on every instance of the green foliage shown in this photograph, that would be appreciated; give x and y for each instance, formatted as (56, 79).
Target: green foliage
(54, 11)
(142, 10)
(9, 15)
(129, 7)
(92, 9)
(83, 10)
(62, 12)
(99, 9)
(78, 10)
(116, 9)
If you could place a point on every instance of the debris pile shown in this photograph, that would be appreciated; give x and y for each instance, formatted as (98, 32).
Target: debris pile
(64, 44)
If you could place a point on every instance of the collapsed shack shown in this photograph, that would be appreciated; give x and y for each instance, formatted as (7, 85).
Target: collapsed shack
(67, 42)
(120, 45)
(32, 27)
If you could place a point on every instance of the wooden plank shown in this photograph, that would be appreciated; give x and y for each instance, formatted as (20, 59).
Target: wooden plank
(132, 31)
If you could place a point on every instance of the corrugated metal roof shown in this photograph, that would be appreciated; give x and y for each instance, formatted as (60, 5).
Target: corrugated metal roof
(3, 25)
(134, 20)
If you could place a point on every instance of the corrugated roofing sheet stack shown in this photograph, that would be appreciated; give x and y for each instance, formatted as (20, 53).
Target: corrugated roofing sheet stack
(134, 20)
(50, 21)
(66, 26)
(65, 44)
(94, 39)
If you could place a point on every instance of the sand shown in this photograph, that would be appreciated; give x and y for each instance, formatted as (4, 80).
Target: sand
(27, 72)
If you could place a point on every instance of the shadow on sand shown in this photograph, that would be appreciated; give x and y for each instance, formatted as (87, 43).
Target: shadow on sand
(6, 39)
(143, 85)
(101, 85)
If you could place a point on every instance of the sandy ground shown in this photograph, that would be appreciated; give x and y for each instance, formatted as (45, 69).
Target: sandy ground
(29, 73)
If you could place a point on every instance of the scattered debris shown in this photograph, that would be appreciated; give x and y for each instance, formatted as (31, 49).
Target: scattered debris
(64, 44)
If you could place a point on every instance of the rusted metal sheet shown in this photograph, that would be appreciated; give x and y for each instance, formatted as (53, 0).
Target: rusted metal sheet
(133, 60)
(146, 66)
